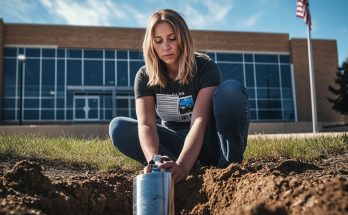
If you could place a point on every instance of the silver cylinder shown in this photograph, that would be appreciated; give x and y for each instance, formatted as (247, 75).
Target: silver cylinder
(153, 193)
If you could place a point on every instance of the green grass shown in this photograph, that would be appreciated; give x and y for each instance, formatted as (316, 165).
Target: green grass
(96, 153)
(297, 148)
(102, 155)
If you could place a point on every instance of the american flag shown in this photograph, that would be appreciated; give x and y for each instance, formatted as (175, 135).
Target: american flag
(303, 11)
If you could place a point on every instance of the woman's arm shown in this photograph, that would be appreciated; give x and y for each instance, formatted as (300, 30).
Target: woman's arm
(147, 126)
(194, 139)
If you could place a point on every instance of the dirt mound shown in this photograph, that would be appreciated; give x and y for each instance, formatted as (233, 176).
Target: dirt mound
(26, 177)
(254, 187)
(291, 187)
(25, 190)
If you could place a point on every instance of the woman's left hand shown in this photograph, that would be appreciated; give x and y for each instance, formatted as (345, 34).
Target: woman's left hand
(177, 169)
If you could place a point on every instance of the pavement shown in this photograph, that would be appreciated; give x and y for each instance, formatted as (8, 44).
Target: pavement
(297, 135)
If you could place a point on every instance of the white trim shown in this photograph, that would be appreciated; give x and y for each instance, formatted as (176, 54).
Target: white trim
(294, 91)
(23, 87)
(81, 88)
(255, 88)
(104, 81)
(128, 68)
(263, 63)
(29, 46)
(244, 77)
(246, 52)
(17, 86)
(55, 83)
(65, 82)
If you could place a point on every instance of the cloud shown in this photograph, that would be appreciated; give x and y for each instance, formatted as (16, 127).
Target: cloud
(199, 14)
(140, 17)
(205, 13)
(250, 21)
(91, 12)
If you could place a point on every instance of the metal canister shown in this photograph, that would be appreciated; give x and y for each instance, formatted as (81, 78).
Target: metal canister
(153, 193)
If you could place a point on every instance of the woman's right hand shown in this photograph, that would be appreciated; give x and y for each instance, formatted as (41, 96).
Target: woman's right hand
(147, 169)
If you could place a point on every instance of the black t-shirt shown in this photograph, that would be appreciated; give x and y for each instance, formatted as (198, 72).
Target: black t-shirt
(175, 102)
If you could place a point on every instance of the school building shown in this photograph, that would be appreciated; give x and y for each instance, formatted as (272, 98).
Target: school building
(83, 75)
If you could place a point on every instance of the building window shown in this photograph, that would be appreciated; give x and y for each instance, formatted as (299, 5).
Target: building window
(110, 73)
(74, 72)
(93, 54)
(267, 78)
(229, 57)
(74, 53)
(122, 73)
(93, 73)
(32, 78)
(53, 78)
(56, 78)
(134, 67)
(10, 77)
(232, 71)
(48, 77)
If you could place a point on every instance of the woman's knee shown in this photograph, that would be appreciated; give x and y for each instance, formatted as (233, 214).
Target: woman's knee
(119, 129)
(229, 94)
(229, 88)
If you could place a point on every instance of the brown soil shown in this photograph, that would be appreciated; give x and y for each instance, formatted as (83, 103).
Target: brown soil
(255, 187)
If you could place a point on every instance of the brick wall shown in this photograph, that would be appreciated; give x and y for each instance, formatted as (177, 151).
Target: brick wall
(127, 38)
(325, 61)
(73, 36)
(241, 41)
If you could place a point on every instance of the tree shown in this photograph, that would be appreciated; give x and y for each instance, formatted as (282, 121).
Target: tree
(340, 102)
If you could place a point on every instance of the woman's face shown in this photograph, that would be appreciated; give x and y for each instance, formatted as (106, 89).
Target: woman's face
(166, 44)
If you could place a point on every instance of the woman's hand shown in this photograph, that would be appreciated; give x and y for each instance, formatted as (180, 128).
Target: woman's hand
(177, 169)
(147, 169)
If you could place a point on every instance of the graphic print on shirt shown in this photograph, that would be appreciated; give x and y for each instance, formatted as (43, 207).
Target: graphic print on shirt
(174, 108)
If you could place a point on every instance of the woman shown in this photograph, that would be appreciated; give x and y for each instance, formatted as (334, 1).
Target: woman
(202, 119)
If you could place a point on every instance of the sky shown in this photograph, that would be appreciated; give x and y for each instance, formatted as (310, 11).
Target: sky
(329, 18)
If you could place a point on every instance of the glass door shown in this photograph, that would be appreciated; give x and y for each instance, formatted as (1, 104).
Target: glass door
(86, 108)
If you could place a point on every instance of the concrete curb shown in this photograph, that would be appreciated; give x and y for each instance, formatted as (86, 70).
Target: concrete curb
(297, 135)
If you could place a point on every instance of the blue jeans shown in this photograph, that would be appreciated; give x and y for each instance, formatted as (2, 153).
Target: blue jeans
(225, 137)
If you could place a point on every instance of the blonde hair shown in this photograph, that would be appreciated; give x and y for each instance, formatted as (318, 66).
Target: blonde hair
(155, 67)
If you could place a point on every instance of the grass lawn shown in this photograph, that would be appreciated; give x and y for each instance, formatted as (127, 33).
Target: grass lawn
(96, 153)
(301, 148)
(102, 155)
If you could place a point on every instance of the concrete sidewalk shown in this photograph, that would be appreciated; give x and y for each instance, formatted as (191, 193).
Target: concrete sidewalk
(297, 135)
(101, 131)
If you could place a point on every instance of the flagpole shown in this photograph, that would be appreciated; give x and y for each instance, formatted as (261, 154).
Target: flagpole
(312, 82)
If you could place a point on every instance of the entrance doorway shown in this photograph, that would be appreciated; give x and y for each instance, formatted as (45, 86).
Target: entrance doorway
(86, 108)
